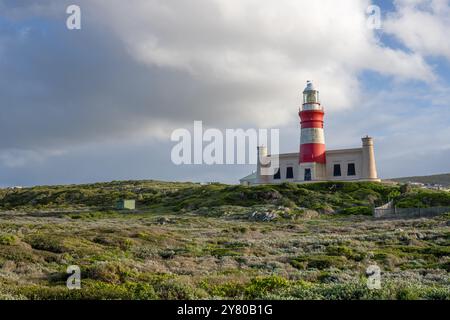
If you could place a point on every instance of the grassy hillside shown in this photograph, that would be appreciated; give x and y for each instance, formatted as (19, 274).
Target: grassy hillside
(442, 179)
(189, 241)
(330, 197)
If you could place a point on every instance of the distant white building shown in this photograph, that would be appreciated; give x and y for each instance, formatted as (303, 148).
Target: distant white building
(314, 162)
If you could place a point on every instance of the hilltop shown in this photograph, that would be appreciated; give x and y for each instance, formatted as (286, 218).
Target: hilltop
(327, 197)
(442, 179)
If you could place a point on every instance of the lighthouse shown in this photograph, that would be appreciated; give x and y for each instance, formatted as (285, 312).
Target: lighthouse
(313, 162)
(312, 158)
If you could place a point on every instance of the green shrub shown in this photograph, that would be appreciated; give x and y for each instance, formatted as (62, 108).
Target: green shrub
(260, 286)
(114, 241)
(327, 277)
(438, 251)
(239, 229)
(319, 262)
(114, 273)
(225, 290)
(347, 252)
(175, 290)
(423, 199)
(224, 252)
(408, 293)
(91, 290)
(357, 211)
(167, 254)
(46, 242)
(437, 293)
(347, 291)
(7, 239)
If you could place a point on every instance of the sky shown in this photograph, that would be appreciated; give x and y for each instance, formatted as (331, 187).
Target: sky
(100, 103)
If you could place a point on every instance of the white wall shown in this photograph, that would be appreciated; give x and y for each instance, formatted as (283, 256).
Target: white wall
(285, 161)
(343, 158)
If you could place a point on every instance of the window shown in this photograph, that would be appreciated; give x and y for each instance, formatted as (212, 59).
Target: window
(337, 170)
(311, 97)
(308, 175)
(277, 176)
(351, 171)
(290, 173)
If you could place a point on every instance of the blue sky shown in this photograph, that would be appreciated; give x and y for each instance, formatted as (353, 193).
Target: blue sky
(100, 103)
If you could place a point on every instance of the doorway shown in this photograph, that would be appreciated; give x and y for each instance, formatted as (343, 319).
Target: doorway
(308, 176)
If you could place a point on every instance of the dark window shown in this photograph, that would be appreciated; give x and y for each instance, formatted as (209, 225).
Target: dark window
(277, 176)
(337, 170)
(290, 173)
(351, 171)
(308, 175)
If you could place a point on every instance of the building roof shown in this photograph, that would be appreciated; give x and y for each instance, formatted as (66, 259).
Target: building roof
(251, 176)
(344, 150)
(286, 155)
(296, 154)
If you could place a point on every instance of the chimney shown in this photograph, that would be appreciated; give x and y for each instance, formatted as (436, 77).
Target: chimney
(369, 168)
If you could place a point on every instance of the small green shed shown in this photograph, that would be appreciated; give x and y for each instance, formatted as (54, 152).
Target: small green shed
(126, 204)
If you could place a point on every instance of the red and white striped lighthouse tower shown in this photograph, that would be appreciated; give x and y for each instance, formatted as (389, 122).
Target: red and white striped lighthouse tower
(312, 139)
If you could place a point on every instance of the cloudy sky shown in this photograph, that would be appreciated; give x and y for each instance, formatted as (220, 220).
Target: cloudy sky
(100, 103)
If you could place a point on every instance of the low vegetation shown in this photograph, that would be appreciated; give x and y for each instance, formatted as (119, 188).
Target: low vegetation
(191, 241)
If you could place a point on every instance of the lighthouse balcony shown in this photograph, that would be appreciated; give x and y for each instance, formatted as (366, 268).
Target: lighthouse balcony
(311, 106)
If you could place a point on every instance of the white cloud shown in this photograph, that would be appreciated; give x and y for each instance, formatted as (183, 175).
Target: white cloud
(271, 45)
(140, 69)
(15, 158)
(237, 63)
(422, 26)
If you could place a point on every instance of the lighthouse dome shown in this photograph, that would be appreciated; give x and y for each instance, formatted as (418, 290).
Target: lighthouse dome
(311, 97)
(309, 86)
